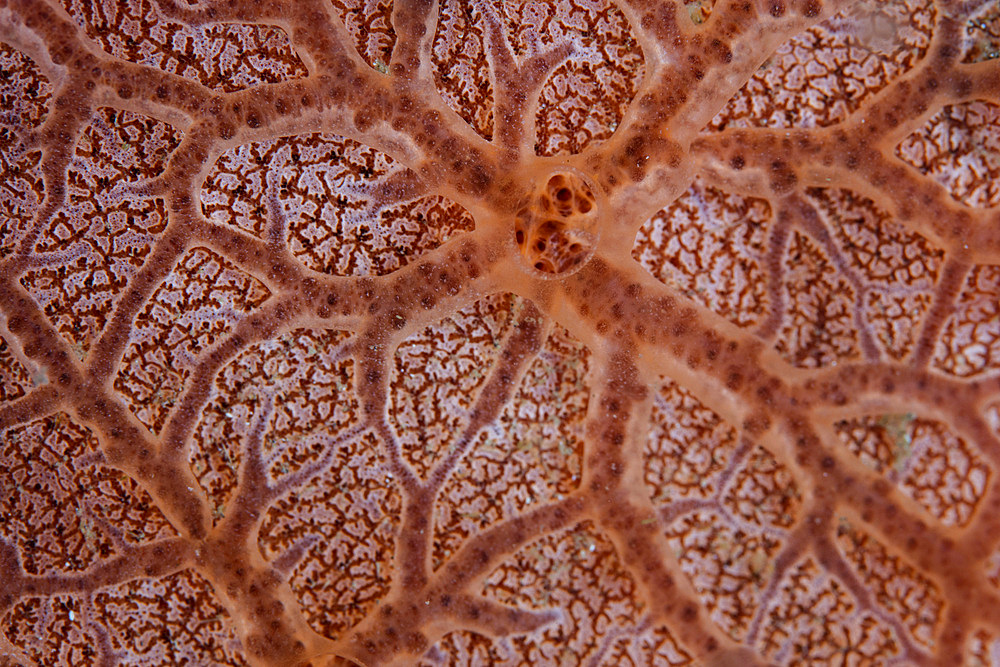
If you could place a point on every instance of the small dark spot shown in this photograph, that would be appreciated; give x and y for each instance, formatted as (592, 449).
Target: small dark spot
(634, 146)
(948, 51)
(734, 380)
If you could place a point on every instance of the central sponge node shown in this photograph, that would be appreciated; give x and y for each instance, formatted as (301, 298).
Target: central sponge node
(556, 228)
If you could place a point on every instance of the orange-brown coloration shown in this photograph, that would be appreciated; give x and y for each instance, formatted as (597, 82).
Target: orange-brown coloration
(604, 333)
(555, 229)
